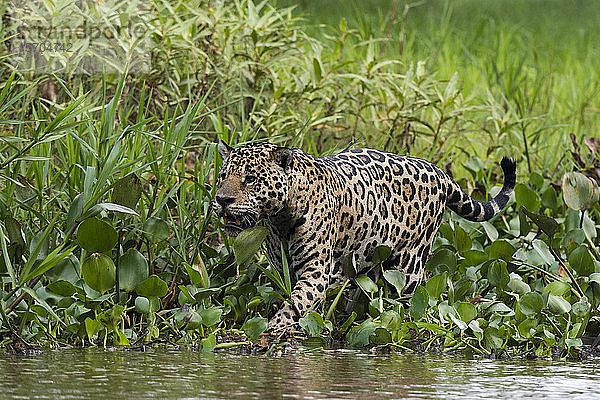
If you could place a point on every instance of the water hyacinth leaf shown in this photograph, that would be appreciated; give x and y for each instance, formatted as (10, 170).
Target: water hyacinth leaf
(531, 303)
(490, 230)
(381, 253)
(127, 191)
(248, 242)
(473, 257)
(209, 343)
(498, 274)
(211, 316)
(419, 302)
(595, 277)
(96, 235)
(550, 199)
(527, 327)
(581, 260)
(61, 288)
(493, 338)
(458, 322)
(581, 308)
(380, 336)
(99, 272)
(558, 288)
(367, 285)
(462, 241)
(156, 229)
(390, 320)
(358, 336)
(142, 304)
(526, 197)
(194, 274)
(312, 323)
(500, 249)
(152, 286)
(133, 269)
(443, 257)
(436, 285)
(542, 249)
(579, 191)
(395, 278)
(254, 327)
(92, 327)
(548, 225)
(558, 305)
(516, 285)
(524, 226)
(467, 311)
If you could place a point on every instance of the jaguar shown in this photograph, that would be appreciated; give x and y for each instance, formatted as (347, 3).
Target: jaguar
(330, 213)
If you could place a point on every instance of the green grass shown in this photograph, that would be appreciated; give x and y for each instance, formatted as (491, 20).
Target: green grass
(535, 58)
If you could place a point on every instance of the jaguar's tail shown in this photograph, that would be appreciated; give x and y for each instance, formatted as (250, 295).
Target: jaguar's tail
(466, 207)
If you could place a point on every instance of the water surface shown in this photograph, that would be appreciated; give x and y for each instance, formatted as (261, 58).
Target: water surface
(335, 374)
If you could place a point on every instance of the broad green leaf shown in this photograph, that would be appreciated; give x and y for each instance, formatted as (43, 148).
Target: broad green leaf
(254, 327)
(462, 241)
(99, 272)
(248, 242)
(498, 274)
(208, 343)
(380, 336)
(312, 323)
(442, 257)
(500, 249)
(92, 327)
(96, 235)
(62, 288)
(127, 191)
(436, 285)
(211, 316)
(581, 260)
(467, 311)
(142, 305)
(133, 269)
(516, 285)
(581, 308)
(358, 336)
(579, 191)
(526, 197)
(558, 288)
(558, 305)
(542, 249)
(381, 253)
(419, 302)
(395, 278)
(156, 229)
(527, 327)
(152, 286)
(531, 303)
(367, 285)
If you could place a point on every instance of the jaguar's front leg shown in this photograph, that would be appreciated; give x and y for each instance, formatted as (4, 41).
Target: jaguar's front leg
(312, 261)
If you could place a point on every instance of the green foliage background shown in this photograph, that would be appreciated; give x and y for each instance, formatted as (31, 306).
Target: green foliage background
(106, 179)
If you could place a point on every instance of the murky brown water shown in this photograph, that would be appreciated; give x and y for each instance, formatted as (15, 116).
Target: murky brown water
(166, 374)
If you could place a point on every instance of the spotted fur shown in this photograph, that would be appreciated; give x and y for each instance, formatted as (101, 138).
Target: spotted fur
(331, 212)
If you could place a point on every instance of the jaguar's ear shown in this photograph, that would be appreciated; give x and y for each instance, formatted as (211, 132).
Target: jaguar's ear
(283, 157)
(224, 149)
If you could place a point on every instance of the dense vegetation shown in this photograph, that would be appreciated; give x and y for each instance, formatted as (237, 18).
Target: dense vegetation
(107, 175)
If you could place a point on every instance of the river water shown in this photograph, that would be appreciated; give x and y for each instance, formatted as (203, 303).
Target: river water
(329, 374)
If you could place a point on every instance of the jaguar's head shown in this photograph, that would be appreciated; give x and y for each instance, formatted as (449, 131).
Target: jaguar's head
(252, 184)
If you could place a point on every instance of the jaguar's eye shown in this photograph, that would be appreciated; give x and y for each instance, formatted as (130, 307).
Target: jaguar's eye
(249, 179)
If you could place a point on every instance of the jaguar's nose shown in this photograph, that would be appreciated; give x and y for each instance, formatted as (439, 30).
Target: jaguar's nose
(224, 200)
